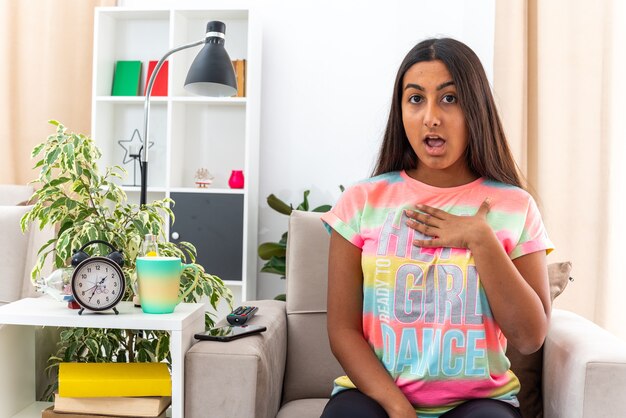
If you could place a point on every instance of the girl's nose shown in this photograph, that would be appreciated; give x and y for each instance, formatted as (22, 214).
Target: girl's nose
(431, 118)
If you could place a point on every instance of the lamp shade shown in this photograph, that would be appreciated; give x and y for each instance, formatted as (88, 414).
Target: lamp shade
(212, 73)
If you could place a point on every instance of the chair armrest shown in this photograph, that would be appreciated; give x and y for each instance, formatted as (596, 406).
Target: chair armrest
(240, 378)
(584, 369)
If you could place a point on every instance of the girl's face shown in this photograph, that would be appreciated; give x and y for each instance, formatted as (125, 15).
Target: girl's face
(435, 125)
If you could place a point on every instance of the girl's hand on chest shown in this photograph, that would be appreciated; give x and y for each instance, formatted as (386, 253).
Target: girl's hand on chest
(449, 230)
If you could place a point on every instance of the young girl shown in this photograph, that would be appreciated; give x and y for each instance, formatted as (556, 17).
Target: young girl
(439, 259)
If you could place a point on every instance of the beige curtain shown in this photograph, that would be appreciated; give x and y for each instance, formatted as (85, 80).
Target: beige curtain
(46, 49)
(556, 79)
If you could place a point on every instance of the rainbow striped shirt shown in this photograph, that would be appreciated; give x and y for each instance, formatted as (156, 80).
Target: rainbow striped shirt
(425, 313)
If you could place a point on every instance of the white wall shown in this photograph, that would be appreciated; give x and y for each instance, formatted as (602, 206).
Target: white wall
(328, 71)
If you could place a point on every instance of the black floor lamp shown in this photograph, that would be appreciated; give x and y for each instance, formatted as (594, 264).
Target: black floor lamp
(210, 74)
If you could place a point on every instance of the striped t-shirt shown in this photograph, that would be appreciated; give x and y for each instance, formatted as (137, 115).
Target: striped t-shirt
(425, 313)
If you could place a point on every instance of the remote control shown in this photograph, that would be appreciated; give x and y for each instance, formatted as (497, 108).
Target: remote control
(241, 315)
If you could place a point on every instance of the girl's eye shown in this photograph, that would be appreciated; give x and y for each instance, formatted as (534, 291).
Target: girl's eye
(415, 99)
(449, 98)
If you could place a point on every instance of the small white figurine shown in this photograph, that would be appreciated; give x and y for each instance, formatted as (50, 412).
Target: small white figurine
(203, 178)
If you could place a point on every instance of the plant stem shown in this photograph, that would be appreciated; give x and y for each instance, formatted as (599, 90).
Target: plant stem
(93, 204)
(130, 345)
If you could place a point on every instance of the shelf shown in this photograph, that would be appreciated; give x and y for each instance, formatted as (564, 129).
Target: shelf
(217, 101)
(137, 189)
(130, 99)
(206, 190)
(221, 101)
(45, 311)
(189, 133)
(33, 410)
(21, 318)
(134, 14)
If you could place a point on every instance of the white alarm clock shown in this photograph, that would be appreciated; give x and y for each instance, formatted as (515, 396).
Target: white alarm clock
(98, 283)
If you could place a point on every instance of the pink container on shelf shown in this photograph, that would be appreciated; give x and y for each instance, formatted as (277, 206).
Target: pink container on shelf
(236, 179)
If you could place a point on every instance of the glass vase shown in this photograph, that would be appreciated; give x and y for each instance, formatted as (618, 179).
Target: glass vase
(236, 179)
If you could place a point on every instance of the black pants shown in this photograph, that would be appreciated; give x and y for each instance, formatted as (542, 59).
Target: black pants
(354, 404)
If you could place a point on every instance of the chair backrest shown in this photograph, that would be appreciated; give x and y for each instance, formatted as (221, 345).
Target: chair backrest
(19, 250)
(15, 194)
(18, 255)
(311, 367)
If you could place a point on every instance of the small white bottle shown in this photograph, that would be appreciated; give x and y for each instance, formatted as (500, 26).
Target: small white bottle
(149, 248)
(57, 284)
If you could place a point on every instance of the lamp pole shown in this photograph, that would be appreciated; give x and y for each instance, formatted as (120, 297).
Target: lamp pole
(146, 118)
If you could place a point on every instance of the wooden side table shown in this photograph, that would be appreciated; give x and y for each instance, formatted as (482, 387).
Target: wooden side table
(17, 345)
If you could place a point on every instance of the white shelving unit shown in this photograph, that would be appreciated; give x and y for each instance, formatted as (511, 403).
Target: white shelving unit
(189, 132)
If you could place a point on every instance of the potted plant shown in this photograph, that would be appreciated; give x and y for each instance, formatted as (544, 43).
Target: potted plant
(86, 205)
(275, 253)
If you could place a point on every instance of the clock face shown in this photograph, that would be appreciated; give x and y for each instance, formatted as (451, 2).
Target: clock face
(98, 284)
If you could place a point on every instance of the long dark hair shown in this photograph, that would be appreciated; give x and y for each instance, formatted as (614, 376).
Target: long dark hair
(487, 153)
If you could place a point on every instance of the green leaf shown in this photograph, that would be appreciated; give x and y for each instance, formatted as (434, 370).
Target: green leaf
(108, 348)
(70, 351)
(52, 157)
(278, 205)
(142, 356)
(63, 244)
(323, 208)
(162, 348)
(305, 202)
(282, 297)
(276, 265)
(58, 203)
(91, 232)
(37, 150)
(93, 347)
(268, 250)
(273, 270)
(69, 154)
(121, 356)
(71, 204)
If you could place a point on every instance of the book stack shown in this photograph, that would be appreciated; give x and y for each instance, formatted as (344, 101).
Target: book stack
(92, 390)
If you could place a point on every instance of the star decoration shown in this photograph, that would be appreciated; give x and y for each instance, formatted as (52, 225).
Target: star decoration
(133, 148)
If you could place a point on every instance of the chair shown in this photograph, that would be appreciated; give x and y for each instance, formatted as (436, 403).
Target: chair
(19, 250)
(19, 255)
(287, 371)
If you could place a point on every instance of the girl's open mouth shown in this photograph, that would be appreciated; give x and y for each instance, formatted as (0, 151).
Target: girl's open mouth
(434, 144)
